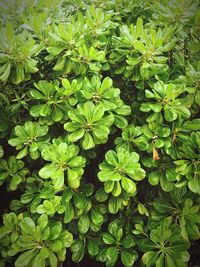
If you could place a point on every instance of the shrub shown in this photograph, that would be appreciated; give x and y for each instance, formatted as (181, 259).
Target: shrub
(99, 132)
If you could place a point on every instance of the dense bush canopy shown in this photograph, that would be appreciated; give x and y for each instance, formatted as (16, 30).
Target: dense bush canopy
(100, 131)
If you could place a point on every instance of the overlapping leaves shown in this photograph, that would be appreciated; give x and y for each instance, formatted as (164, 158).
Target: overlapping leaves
(99, 73)
(89, 124)
(65, 159)
(119, 171)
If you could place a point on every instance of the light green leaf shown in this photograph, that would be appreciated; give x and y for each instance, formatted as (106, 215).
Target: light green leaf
(112, 254)
(75, 136)
(128, 257)
(88, 141)
(92, 247)
(83, 223)
(128, 185)
(25, 258)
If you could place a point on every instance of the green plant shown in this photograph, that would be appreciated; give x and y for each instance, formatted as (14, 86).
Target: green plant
(13, 172)
(17, 52)
(99, 132)
(182, 209)
(89, 124)
(64, 158)
(37, 242)
(119, 170)
(72, 54)
(190, 168)
(53, 106)
(30, 138)
(98, 92)
(140, 51)
(1, 151)
(165, 95)
(116, 243)
(132, 137)
(164, 246)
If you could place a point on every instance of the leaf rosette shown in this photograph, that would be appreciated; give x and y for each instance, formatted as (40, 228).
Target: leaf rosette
(65, 162)
(120, 170)
(90, 124)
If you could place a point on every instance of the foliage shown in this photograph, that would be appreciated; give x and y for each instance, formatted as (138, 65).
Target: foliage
(164, 246)
(37, 243)
(16, 55)
(182, 209)
(116, 243)
(64, 157)
(99, 132)
(90, 124)
(12, 171)
(30, 138)
(120, 166)
(52, 107)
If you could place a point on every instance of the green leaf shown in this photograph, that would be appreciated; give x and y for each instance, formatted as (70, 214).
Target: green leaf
(149, 258)
(101, 195)
(1, 151)
(112, 254)
(38, 261)
(128, 257)
(153, 178)
(98, 113)
(165, 184)
(19, 75)
(107, 83)
(69, 213)
(117, 189)
(96, 217)
(120, 121)
(108, 186)
(83, 223)
(169, 261)
(139, 27)
(28, 226)
(48, 171)
(162, 205)
(4, 76)
(160, 261)
(170, 115)
(194, 184)
(57, 115)
(197, 97)
(191, 125)
(73, 178)
(77, 250)
(53, 261)
(128, 241)
(75, 136)
(60, 62)
(25, 258)
(14, 182)
(114, 205)
(36, 94)
(56, 246)
(128, 185)
(44, 252)
(108, 239)
(88, 141)
(111, 158)
(142, 209)
(101, 132)
(23, 153)
(92, 247)
(80, 201)
(43, 221)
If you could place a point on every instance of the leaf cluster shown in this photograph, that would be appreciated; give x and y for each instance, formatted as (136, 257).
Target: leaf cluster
(99, 132)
